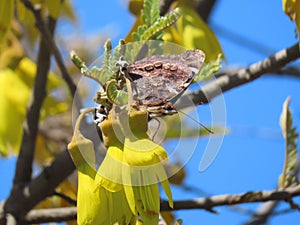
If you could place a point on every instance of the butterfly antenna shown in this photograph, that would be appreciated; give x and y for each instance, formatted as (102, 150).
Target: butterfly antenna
(202, 125)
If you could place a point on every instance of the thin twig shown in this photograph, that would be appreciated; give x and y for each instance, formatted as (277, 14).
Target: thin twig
(41, 26)
(262, 215)
(291, 71)
(66, 198)
(227, 199)
(58, 215)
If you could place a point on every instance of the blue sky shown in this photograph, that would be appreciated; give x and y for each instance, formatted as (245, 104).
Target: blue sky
(251, 155)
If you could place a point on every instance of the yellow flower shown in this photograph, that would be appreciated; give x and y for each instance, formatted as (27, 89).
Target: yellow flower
(126, 183)
(109, 175)
(142, 167)
(89, 203)
(97, 205)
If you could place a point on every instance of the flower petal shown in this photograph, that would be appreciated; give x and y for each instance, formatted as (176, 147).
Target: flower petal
(109, 174)
(143, 152)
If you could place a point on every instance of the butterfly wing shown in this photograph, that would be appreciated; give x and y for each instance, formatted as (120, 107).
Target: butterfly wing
(159, 79)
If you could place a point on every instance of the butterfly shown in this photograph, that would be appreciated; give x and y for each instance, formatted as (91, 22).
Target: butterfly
(158, 81)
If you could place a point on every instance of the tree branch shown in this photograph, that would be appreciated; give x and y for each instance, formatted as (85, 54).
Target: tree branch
(24, 164)
(221, 200)
(242, 76)
(45, 184)
(291, 71)
(53, 215)
(62, 214)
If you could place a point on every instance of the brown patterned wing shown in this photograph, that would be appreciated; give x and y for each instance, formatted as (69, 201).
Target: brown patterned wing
(158, 80)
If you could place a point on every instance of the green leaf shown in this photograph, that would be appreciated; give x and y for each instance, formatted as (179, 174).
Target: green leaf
(119, 51)
(290, 135)
(28, 21)
(115, 95)
(153, 23)
(101, 75)
(107, 55)
(12, 50)
(54, 7)
(161, 24)
(79, 63)
(107, 71)
(140, 31)
(193, 33)
(6, 15)
(14, 95)
(15, 89)
(207, 70)
(155, 30)
(150, 12)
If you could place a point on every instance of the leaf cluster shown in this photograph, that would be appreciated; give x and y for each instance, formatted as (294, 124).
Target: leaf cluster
(154, 30)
